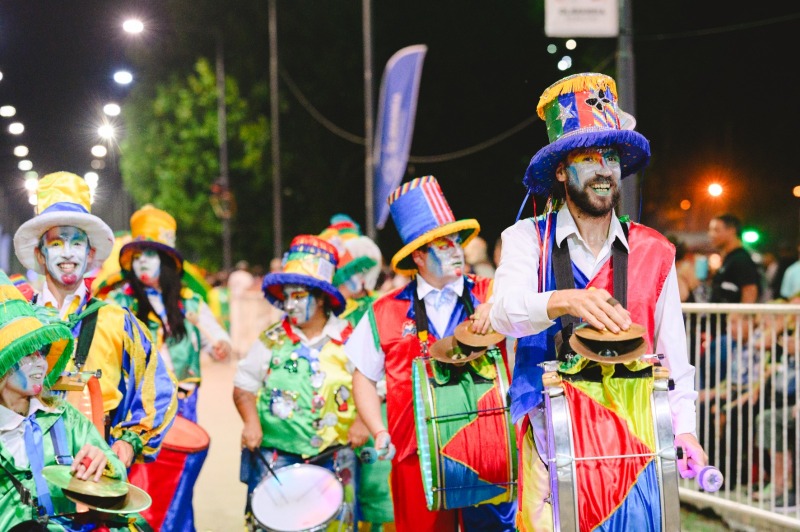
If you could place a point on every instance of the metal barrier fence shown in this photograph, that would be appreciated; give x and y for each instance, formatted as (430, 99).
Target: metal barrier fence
(746, 375)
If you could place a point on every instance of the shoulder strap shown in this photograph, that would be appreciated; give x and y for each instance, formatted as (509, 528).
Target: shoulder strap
(562, 264)
(25, 495)
(88, 325)
(619, 257)
(60, 447)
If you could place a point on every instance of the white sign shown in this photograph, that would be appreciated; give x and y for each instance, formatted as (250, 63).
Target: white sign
(581, 18)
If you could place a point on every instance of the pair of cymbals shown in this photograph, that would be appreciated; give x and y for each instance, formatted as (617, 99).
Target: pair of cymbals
(607, 347)
(106, 495)
(464, 345)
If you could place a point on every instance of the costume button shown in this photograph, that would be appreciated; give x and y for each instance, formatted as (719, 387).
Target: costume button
(28, 475)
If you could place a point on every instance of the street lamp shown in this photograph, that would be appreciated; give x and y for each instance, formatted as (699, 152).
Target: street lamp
(135, 26)
(112, 109)
(16, 128)
(123, 77)
(715, 189)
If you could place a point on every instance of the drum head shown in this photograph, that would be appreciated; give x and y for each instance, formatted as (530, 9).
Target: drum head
(186, 436)
(307, 497)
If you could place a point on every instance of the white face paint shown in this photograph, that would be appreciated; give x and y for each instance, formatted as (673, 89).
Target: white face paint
(445, 258)
(147, 267)
(27, 376)
(299, 304)
(355, 284)
(66, 253)
(593, 179)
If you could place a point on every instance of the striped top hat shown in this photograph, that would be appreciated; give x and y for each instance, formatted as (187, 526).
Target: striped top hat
(22, 333)
(311, 261)
(62, 199)
(421, 214)
(151, 228)
(581, 111)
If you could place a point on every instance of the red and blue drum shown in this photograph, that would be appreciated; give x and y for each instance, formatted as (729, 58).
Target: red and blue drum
(609, 448)
(170, 479)
(466, 440)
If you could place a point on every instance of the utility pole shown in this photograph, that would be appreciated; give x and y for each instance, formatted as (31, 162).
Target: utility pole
(277, 216)
(369, 170)
(222, 136)
(626, 87)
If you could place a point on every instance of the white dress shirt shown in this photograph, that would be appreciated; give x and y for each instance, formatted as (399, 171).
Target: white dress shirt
(12, 431)
(63, 310)
(370, 359)
(521, 310)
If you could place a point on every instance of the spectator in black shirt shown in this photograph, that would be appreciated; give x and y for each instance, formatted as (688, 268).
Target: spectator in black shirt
(738, 279)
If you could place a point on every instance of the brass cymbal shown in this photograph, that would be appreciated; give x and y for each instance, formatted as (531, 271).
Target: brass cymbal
(61, 476)
(464, 335)
(136, 500)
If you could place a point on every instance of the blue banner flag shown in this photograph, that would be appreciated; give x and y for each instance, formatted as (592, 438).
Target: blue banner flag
(396, 111)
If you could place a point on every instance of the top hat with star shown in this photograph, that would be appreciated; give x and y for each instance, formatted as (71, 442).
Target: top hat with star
(581, 111)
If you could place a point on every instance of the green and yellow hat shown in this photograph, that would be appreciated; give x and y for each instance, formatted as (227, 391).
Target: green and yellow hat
(151, 228)
(22, 333)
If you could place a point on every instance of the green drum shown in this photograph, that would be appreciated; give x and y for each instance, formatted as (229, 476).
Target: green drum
(466, 440)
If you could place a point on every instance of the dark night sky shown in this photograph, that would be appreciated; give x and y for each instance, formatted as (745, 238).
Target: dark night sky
(714, 94)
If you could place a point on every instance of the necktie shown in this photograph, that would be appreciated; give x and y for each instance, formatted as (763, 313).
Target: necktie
(35, 450)
(444, 297)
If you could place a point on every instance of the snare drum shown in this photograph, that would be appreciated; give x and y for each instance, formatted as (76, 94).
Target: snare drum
(609, 447)
(466, 440)
(170, 479)
(303, 497)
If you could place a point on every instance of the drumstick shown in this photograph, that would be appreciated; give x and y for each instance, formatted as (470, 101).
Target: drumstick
(269, 467)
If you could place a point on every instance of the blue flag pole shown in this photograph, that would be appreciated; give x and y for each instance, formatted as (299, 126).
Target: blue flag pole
(396, 112)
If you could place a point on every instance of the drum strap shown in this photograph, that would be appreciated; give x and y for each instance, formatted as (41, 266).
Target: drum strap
(562, 264)
(421, 316)
(60, 446)
(88, 322)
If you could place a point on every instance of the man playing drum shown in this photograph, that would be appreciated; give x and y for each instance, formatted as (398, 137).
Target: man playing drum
(62, 242)
(293, 389)
(399, 328)
(590, 151)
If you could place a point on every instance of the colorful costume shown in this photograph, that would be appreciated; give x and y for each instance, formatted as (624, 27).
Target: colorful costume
(303, 385)
(581, 112)
(28, 444)
(386, 341)
(153, 228)
(359, 267)
(137, 391)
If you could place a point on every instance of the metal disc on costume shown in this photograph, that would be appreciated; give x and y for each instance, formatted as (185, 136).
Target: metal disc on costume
(61, 476)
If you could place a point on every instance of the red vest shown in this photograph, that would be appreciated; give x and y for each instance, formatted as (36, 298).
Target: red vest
(399, 342)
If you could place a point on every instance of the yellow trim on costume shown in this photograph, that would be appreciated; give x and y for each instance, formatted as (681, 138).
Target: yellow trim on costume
(430, 236)
(575, 83)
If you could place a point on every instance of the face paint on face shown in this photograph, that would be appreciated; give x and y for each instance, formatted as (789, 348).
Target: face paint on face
(299, 304)
(27, 375)
(355, 284)
(593, 179)
(66, 254)
(147, 267)
(445, 258)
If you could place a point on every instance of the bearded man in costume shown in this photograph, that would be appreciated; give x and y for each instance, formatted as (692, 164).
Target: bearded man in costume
(590, 151)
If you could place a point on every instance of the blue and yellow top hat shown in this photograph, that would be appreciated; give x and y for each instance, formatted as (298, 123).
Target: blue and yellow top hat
(421, 214)
(311, 261)
(151, 228)
(581, 111)
(62, 199)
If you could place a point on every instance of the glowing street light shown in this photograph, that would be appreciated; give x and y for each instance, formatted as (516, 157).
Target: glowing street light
(7, 111)
(123, 77)
(25, 165)
(91, 179)
(686, 205)
(796, 191)
(31, 184)
(112, 109)
(571, 44)
(99, 151)
(106, 131)
(21, 151)
(715, 189)
(133, 25)
(16, 128)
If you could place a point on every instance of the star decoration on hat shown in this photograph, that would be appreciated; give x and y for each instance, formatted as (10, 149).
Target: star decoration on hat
(597, 99)
(565, 113)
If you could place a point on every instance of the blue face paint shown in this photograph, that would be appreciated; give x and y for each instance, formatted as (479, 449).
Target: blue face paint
(27, 376)
(299, 304)
(66, 254)
(445, 258)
